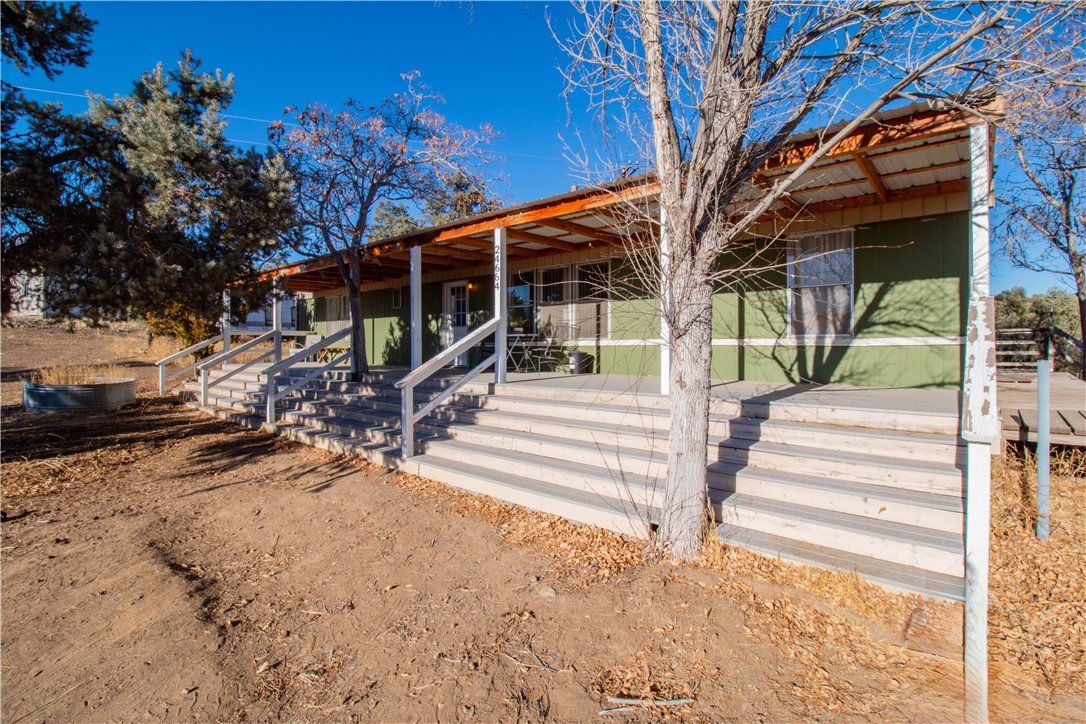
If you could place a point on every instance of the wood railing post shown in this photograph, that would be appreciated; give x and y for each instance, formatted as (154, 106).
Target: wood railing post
(161, 380)
(980, 428)
(407, 428)
(277, 321)
(269, 399)
(501, 305)
(415, 292)
(203, 387)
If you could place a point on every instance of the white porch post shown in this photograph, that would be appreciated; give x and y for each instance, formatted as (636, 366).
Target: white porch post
(980, 429)
(665, 300)
(416, 307)
(501, 305)
(226, 320)
(277, 320)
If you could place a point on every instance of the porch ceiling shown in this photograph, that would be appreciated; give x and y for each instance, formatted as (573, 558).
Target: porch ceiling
(908, 153)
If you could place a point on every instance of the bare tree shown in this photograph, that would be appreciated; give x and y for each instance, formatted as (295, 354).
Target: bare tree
(705, 94)
(1043, 227)
(347, 162)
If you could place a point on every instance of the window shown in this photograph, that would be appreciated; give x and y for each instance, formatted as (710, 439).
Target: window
(590, 303)
(560, 303)
(397, 297)
(552, 309)
(521, 309)
(820, 276)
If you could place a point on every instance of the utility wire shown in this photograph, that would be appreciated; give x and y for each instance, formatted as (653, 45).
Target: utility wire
(264, 120)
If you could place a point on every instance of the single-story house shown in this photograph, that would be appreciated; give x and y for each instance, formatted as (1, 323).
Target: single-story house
(862, 276)
(853, 406)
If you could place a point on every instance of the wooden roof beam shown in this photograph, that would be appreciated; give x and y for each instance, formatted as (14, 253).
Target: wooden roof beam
(571, 227)
(600, 200)
(786, 200)
(550, 242)
(871, 174)
(879, 134)
(489, 247)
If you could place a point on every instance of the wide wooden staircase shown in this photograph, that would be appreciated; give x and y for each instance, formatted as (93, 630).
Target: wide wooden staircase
(874, 492)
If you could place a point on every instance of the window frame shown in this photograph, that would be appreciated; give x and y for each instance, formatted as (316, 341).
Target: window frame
(571, 287)
(792, 287)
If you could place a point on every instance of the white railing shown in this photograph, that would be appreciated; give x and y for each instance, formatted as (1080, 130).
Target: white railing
(272, 393)
(164, 374)
(165, 362)
(206, 383)
(423, 372)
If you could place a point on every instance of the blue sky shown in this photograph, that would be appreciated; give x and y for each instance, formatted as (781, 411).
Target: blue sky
(494, 62)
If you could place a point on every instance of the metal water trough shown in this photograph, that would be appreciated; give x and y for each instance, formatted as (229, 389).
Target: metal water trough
(108, 394)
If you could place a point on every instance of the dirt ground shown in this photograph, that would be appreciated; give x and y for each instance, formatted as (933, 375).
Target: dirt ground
(161, 565)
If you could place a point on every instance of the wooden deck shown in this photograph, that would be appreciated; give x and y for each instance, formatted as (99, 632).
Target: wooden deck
(1018, 407)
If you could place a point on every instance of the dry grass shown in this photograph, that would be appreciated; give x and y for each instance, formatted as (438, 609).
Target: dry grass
(80, 374)
(1038, 608)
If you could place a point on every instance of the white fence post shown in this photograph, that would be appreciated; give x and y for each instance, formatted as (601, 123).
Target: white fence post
(1044, 366)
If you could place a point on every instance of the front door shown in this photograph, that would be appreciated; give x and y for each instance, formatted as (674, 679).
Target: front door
(455, 317)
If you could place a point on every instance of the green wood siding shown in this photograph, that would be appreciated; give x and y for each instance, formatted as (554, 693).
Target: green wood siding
(911, 280)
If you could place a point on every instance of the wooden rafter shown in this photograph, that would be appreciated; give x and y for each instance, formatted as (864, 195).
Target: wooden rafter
(786, 201)
(871, 174)
(916, 192)
(489, 247)
(550, 242)
(571, 227)
(875, 135)
(590, 202)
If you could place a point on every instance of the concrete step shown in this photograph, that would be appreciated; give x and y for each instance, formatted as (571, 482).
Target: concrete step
(580, 506)
(938, 478)
(640, 427)
(910, 446)
(599, 431)
(576, 505)
(879, 502)
(638, 490)
(892, 575)
(785, 409)
(906, 545)
(383, 430)
(602, 454)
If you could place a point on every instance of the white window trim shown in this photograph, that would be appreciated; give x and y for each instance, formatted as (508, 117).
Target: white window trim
(791, 270)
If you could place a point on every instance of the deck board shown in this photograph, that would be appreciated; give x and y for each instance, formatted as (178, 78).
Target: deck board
(1017, 399)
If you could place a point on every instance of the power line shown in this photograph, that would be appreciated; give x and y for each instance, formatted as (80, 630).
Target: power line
(264, 120)
(81, 95)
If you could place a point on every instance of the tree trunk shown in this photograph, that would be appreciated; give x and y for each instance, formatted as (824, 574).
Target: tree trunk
(686, 497)
(1080, 291)
(359, 363)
